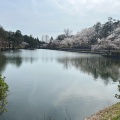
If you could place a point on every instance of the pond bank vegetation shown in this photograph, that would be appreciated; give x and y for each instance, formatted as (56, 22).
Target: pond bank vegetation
(3, 95)
(110, 113)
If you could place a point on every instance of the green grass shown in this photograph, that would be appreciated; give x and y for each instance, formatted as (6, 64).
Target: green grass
(111, 113)
(3, 94)
(116, 118)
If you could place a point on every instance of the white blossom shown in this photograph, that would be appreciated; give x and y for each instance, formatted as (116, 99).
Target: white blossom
(84, 37)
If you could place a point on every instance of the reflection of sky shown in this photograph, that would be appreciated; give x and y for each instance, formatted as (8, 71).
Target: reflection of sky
(105, 68)
(46, 88)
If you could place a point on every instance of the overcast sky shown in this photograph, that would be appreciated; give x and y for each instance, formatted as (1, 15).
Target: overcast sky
(51, 17)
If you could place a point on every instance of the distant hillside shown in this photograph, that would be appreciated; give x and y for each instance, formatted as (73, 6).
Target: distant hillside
(15, 40)
(99, 37)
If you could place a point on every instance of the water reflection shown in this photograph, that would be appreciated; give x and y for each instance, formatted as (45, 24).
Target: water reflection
(44, 90)
(2, 62)
(15, 58)
(98, 66)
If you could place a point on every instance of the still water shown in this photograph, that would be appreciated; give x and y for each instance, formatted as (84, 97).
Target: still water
(57, 85)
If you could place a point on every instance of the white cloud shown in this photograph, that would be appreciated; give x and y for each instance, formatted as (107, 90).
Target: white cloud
(55, 15)
(85, 6)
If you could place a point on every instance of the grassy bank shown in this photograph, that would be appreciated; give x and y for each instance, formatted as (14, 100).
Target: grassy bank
(110, 113)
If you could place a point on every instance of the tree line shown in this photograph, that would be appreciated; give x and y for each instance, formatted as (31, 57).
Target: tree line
(15, 40)
(100, 36)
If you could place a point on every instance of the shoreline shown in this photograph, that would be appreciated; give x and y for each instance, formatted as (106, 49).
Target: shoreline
(105, 53)
(109, 113)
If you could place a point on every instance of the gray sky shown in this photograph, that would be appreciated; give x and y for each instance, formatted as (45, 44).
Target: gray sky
(51, 17)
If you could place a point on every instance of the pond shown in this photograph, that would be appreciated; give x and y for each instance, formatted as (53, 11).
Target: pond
(57, 85)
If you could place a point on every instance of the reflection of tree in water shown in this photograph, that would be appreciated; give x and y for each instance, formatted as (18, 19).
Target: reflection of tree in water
(3, 95)
(96, 65)
(5, 60)
(13, 58)
(2, 62)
